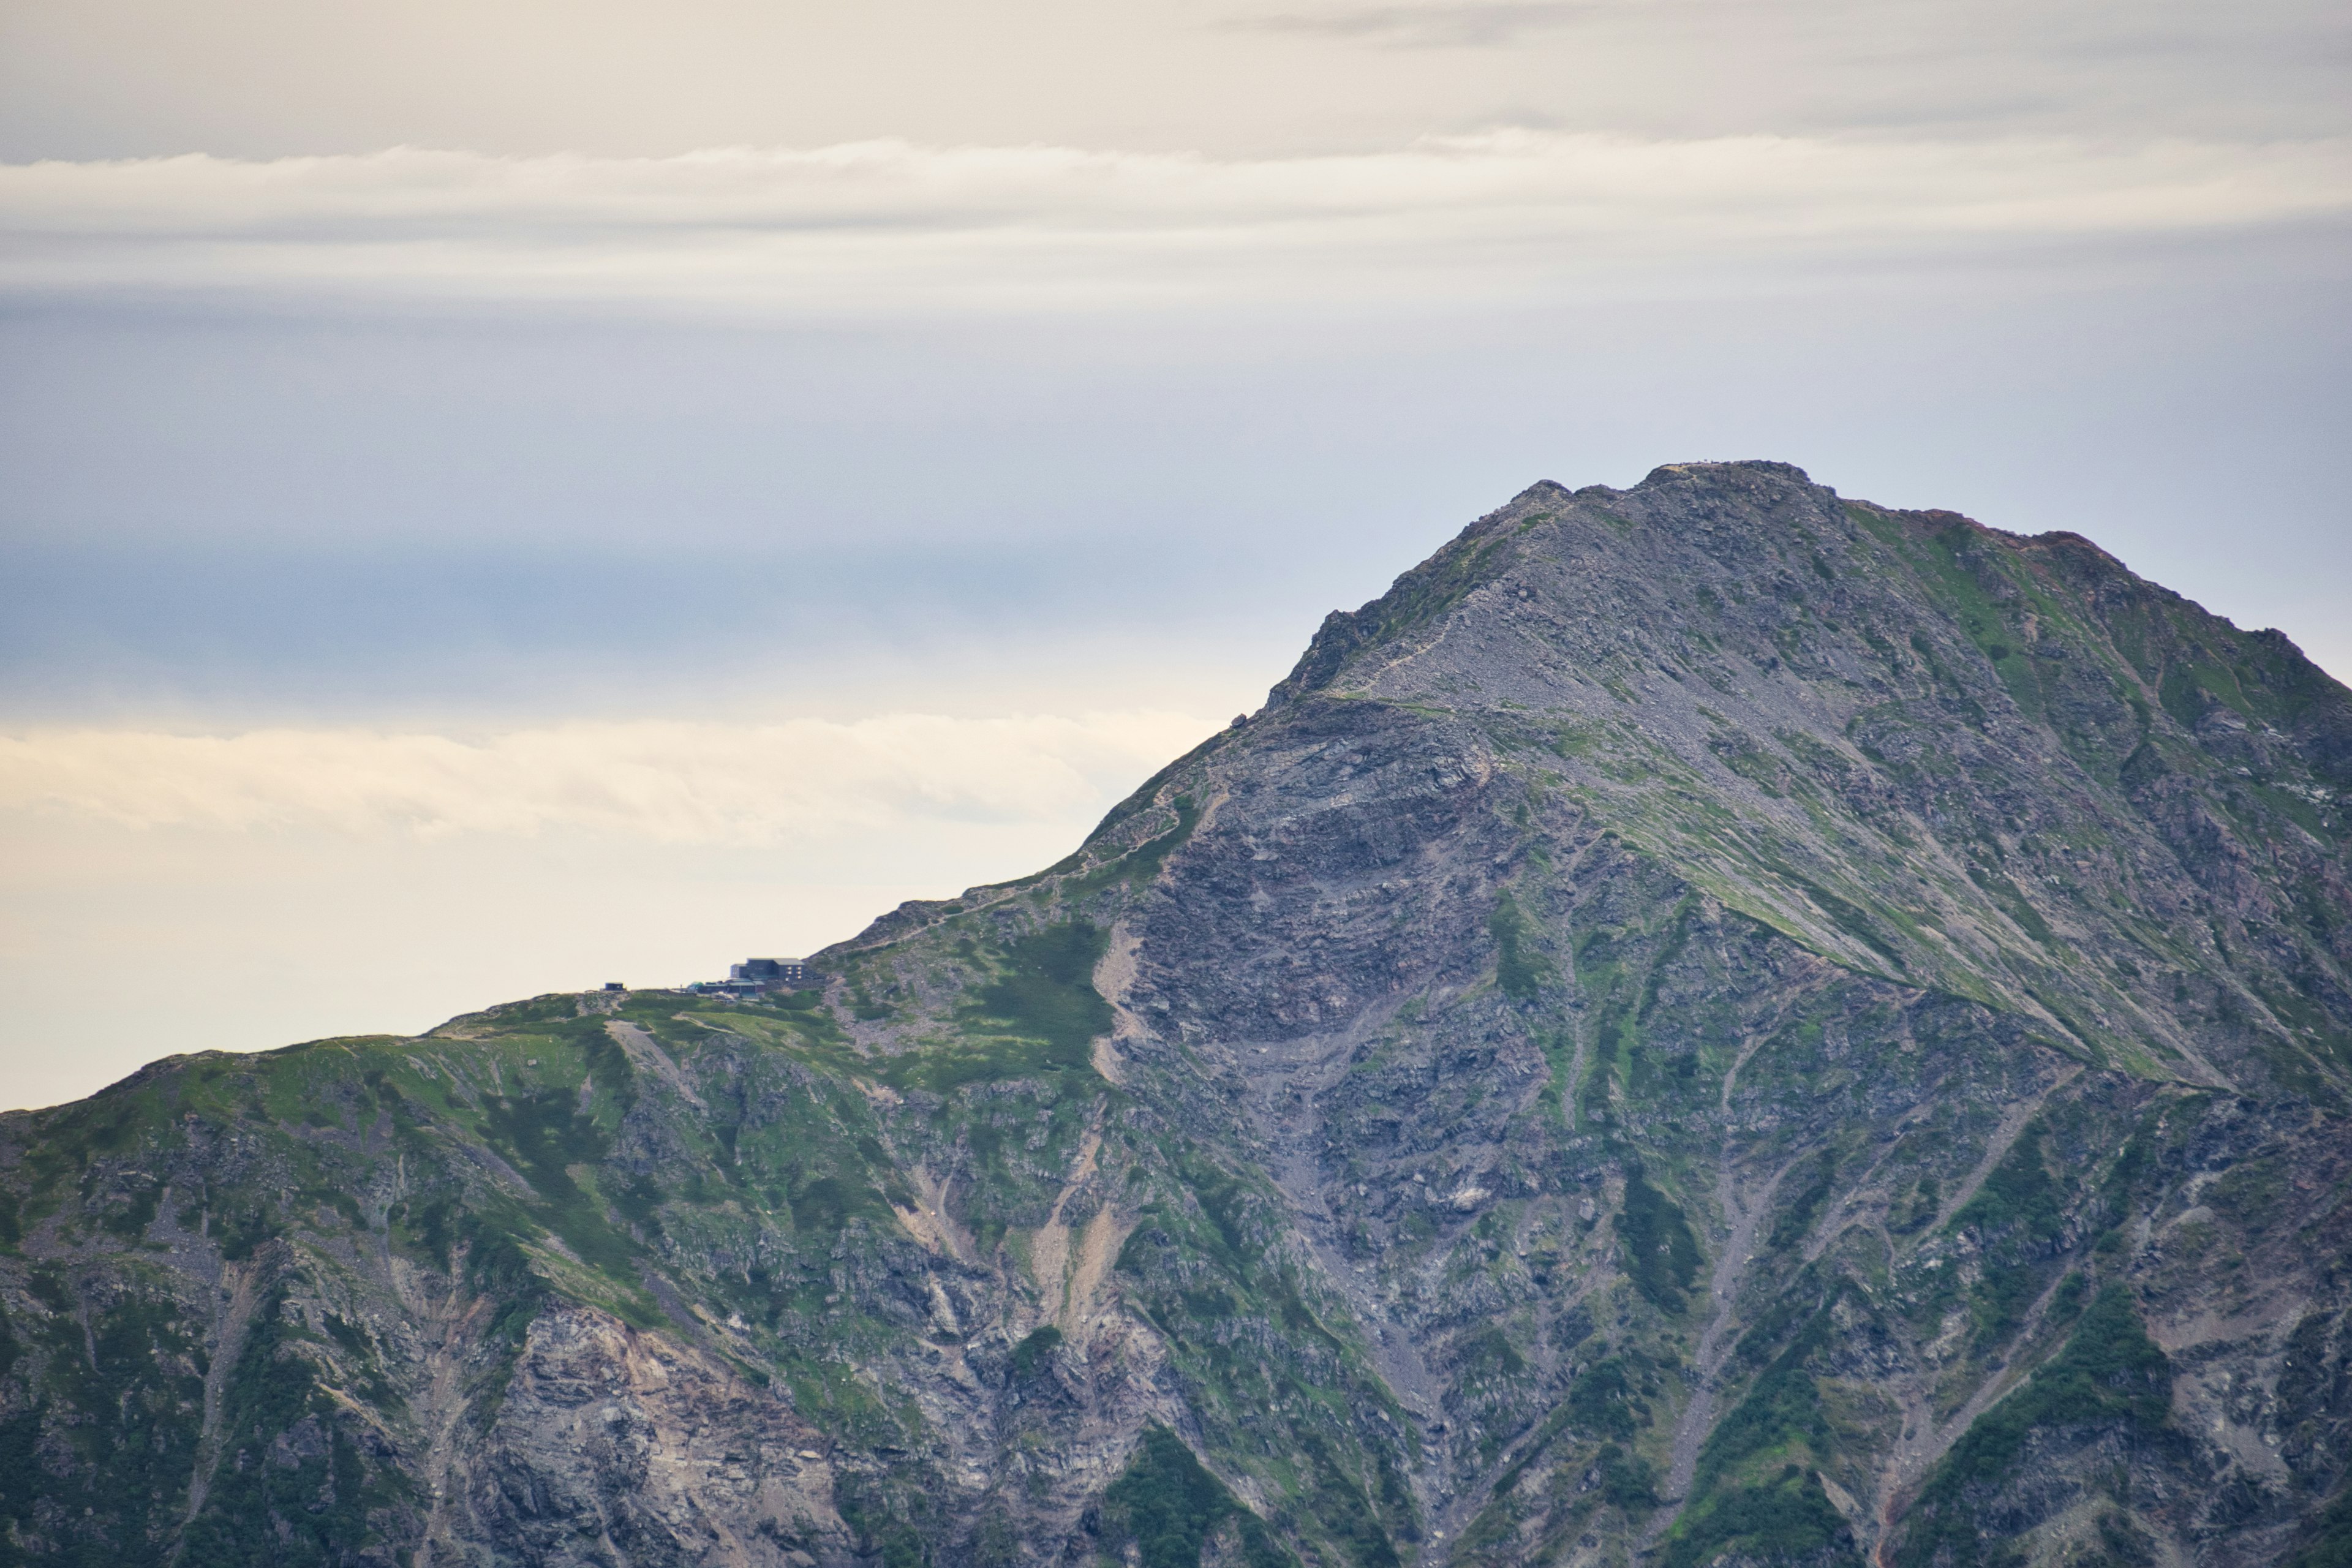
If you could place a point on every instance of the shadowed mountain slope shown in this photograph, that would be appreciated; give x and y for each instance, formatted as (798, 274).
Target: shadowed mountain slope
(1712, 1024)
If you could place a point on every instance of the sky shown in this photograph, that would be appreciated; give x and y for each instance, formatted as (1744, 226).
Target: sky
(505, 497)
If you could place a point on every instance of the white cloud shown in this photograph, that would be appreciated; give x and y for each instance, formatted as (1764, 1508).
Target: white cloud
(657, 782)
(1447, 24)
(892, 226)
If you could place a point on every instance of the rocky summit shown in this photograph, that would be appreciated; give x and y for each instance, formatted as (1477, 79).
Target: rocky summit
(1712, 1024)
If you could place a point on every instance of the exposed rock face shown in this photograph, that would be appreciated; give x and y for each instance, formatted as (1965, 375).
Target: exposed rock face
(1711, 1025)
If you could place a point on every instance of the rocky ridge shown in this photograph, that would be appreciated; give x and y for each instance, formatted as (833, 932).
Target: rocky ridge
(1712, 1024)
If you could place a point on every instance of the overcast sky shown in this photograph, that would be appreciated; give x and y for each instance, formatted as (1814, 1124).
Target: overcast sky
(503, 496)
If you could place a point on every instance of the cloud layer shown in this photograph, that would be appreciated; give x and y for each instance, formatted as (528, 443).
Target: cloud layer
(893, 225)
(681, 783)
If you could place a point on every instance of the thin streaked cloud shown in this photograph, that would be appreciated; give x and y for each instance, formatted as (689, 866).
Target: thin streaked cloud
(1432, 26)
(650, 781)
(893, 225)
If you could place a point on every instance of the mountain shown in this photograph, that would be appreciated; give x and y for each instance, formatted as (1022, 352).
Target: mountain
(1712, 1024)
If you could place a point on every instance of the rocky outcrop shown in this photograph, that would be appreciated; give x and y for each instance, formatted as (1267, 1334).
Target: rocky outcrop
(626, 1445)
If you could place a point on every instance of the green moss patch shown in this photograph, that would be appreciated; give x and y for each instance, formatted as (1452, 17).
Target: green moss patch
(1661, 1255)
(1167, 1507)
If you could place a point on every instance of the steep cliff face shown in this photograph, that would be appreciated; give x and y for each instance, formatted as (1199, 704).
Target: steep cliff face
(1710, 1025)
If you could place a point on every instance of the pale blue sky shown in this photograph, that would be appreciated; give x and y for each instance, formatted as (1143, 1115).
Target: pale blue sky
(1064, 417)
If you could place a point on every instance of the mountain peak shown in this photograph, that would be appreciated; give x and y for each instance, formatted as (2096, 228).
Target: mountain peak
(1743, 673)
(1719, 472)
(1710, 1023)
